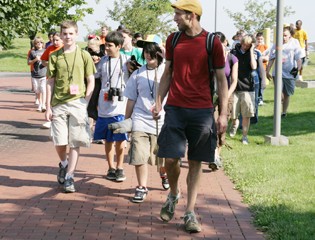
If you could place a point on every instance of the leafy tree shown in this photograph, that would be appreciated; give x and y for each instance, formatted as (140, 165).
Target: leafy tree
(145, 16)
(257, 16)
(29, 17)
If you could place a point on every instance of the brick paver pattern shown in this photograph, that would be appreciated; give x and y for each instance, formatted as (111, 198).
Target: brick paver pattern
(33, 206)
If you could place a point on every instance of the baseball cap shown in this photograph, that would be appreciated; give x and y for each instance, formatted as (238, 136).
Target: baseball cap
(153, 38)
(141, 43)
(189, 5)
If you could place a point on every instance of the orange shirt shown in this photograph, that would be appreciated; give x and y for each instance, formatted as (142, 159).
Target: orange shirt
(48, 51)
(102, 39)
(262, 48)
(31, 65)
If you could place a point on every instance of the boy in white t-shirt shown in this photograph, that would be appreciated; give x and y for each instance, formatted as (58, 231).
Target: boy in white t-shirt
(114, 74)
(141, 92)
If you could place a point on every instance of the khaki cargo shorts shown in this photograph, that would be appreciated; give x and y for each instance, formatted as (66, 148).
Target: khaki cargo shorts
(244, 103)
(143, 149)
(70, 124)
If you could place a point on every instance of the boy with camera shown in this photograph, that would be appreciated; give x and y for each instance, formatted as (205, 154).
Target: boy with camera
(114, 74)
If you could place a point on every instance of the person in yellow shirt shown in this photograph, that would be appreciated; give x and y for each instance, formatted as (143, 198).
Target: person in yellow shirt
(301, 35)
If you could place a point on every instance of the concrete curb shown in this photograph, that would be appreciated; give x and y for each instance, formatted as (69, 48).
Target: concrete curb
(15, 74)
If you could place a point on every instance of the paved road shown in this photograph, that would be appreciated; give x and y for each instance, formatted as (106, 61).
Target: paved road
(32, 205)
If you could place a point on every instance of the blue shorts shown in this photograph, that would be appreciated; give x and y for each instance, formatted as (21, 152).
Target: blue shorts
(186, 125)
(102, 132)
(288, 86)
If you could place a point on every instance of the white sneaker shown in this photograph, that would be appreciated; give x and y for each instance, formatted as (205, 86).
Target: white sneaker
(46, 125)
(39, 109)
(300, 78)
(245, 140)
(234, 128)
(44, 108)
(36, 101)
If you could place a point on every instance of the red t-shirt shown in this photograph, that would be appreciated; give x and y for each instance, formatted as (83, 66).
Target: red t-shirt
(48, 51)
(190, 82)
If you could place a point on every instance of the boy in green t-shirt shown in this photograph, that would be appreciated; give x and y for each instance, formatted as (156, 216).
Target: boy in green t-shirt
(67, 100)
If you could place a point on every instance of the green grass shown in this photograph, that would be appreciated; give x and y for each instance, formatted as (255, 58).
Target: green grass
(309, 70)
(15, 59)
(278, 182)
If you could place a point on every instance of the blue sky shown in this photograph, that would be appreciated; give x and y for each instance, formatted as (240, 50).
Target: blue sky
(304, 10)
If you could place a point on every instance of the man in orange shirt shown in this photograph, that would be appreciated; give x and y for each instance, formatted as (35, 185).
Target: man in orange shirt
(263, 48)
(57, 44)
(104, 31)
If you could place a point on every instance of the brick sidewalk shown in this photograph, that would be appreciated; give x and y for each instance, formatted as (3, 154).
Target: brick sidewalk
(34, 207)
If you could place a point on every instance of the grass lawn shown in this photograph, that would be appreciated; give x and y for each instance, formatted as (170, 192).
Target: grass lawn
(278, 182)
(15, 59)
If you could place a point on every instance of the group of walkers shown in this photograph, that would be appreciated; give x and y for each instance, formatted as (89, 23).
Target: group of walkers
(160, 99)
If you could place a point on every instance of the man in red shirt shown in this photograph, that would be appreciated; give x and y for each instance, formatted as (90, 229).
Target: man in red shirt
(189, 107)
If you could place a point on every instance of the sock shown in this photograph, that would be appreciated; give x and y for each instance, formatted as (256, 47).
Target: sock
(163, 175)
(64, 163)
(68, 176)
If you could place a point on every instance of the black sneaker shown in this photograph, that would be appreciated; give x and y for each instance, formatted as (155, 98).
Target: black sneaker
(62, 173)
(69, 186)
(111, 174)
(214, 166)
(120, 176)
(140, 194)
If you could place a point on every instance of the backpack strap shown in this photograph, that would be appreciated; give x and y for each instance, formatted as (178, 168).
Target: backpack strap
(209, 47)
(175, 38)
(230, 59)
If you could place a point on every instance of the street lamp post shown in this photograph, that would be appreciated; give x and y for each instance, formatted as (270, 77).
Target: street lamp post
(277, 138)
(215, 15)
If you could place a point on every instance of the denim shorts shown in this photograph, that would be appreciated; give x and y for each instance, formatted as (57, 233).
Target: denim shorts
(101, 131)
(182, 126)
(288, 86)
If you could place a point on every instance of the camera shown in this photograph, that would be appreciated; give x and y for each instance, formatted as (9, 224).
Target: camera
(294, 72)
(112, 92)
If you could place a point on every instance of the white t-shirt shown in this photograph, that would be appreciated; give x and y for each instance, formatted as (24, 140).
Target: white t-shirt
(114, 74)
(291, 52)
(142, 89)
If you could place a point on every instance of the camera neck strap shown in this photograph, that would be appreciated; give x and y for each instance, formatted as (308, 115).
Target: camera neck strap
(112, 73)
(150, 87)
(70, 73)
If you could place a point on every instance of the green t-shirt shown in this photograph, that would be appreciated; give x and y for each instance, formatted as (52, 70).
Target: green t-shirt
(136, 52)
(67, 72)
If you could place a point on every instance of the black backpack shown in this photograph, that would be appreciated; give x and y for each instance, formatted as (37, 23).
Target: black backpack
(209, 47)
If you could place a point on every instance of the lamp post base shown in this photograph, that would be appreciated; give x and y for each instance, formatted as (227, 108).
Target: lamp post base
(277, 141)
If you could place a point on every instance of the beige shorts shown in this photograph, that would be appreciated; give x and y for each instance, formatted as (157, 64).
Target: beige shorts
(70, 124)
(244, 103)
(143, 148)
(39, 84)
